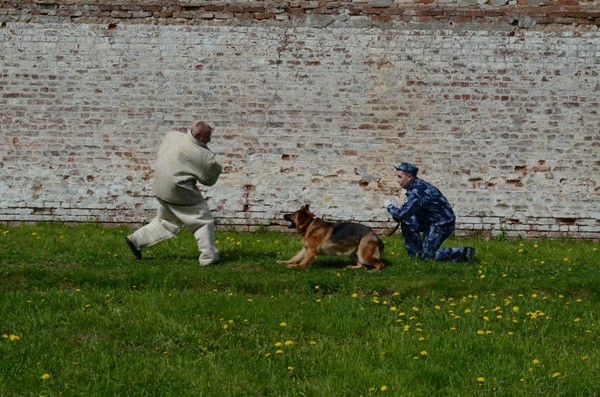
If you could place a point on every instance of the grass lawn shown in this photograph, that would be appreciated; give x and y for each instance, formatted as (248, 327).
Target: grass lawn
(79, 316)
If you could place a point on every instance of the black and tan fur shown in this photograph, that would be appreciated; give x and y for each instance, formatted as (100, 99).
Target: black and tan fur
(350, 239)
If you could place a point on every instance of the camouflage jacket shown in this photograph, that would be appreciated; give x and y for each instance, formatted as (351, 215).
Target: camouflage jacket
(426, 203)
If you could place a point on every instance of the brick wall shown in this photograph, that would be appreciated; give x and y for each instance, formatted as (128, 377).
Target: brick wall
(312, 102)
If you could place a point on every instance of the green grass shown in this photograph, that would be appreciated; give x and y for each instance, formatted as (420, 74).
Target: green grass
(76, 307)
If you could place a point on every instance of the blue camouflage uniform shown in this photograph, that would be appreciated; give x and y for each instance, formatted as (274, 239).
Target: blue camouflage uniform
(426, 211)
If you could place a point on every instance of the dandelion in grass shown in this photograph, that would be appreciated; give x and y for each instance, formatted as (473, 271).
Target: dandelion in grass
(45, 376)
(555, 375)
(289, 343)
(424, 353)
(14, 338)
(278, 344)
(278, 351)
(480, 379)
(383, 388)
(355, 295)
(283, 324)
(535, 361)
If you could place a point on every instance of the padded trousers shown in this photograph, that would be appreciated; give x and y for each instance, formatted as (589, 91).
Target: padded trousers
(171, 218)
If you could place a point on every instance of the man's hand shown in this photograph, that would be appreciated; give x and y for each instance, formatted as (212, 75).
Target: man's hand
(387, 203)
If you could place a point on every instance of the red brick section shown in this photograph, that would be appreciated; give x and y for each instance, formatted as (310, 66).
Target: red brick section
(537, 12)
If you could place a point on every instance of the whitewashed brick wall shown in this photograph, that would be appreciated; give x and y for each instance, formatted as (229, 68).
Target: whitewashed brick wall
(507, 125)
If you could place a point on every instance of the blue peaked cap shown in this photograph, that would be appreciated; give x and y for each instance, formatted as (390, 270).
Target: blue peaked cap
(408, 168)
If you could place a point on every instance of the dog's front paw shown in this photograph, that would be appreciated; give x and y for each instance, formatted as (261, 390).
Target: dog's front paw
(294, 266)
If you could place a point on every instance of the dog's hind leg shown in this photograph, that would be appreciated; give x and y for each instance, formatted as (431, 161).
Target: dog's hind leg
(369, 254)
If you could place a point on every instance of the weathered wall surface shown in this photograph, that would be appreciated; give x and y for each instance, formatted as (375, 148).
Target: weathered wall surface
(311, 102)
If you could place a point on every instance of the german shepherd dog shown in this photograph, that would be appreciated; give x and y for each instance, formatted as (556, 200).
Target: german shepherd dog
(357, 241)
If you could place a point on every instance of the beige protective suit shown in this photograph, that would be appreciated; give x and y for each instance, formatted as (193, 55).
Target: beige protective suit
(182, 163)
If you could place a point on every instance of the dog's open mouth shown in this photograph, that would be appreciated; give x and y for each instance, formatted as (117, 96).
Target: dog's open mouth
(288, 217)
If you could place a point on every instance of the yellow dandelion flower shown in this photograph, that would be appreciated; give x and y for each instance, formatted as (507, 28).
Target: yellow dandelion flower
(283, 324)
(515, 309)
(355, 295)
(555, 375)
(481, 379)
(278, 351)
(14, 338)
(225, 326)
(289, 343)
(278, 344)
(424, 353)
(45, 376)
(393, 308)
(290, 368)
(480, 332)
(312, 342)
(437, 307)
(383, 388)
(535, 361)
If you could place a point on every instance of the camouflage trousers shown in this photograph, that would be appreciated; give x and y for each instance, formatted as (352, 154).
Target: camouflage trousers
(424, 241)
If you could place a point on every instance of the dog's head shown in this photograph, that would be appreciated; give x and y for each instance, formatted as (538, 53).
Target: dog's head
(301, 219)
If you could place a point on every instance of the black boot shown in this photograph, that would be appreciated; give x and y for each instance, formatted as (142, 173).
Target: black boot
(468, 254)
